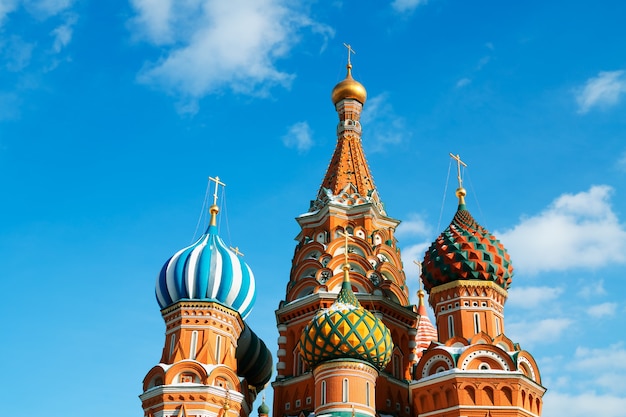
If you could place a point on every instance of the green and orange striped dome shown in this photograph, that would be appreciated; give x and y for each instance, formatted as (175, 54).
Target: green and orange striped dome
(466, 251)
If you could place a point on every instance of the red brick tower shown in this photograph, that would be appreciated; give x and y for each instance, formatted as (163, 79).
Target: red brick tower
(212, 363)
(474, 370)
(347, 202)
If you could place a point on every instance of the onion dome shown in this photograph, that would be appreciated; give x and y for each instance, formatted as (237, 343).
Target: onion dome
(466, 251)
(263, 409)
(207, 270)
(254, 360)
(346, 330)
(349, 88)
(426, 332)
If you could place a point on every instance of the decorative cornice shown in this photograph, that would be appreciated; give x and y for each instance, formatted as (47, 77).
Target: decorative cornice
(469, 284)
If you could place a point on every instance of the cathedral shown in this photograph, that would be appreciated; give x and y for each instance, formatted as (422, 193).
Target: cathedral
(350, 342)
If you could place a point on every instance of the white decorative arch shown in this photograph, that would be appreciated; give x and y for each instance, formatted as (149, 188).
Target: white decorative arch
(434, 360)
(484, 354)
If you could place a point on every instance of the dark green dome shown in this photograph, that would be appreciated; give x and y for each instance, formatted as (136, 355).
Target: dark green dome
(263, 408)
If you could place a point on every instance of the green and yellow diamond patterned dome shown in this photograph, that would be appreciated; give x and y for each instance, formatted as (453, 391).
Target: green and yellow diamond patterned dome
(346, 330)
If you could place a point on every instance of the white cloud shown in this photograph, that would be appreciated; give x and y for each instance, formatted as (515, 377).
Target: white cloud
(213, 45)
(6, 7)
(383, 125)
(597, 360)
(602, 310)
(63, 34)
(16, 53)
(44, 9)
(154, 19)
(414, 228)
(404, 6)
(463, 82)
(542, 331)
(532, 297)
(558, 404)
(603, 91)
(299, 137)
(576, 230)
(415, 225)
(591, 289)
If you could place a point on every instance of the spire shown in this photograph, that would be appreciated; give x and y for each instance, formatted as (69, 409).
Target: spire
(348, 179)
(426, 332)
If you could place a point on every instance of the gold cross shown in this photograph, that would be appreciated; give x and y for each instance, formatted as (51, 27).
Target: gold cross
(350, 50)
(347, 236)
(458, 167)
(217, 184)
(237, 252)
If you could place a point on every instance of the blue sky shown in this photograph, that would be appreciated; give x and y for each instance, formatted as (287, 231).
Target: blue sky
(113, 114)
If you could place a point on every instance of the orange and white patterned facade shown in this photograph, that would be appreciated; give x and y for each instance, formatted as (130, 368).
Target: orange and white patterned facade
(350, 342)
(466, 366)
(212, 362)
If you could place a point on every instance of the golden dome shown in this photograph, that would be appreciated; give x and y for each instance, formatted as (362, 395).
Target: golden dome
(349, 88)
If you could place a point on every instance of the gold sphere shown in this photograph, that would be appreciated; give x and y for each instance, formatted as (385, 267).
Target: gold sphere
(349, 88)
(460, 192)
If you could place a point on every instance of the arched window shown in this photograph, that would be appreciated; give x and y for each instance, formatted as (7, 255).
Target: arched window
(397, 363)
(345, 390)
(476, 323)
(323, 393)
(367, 394)
(298, 363)
(193, 346)
(498, 331)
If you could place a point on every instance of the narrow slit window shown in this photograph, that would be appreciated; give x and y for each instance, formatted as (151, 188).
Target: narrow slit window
(193, 346)
(450, 326)
(476, 323)
(218, 348)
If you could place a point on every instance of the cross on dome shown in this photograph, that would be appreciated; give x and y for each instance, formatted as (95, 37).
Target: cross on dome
(347, 238)
(460, 192)
(350, 50)
(457, 157)
(214, 209)
(237, 251)
(217, 182)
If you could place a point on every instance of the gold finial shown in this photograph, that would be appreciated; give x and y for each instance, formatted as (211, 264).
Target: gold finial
(420, 292)
(226, 403)
(350, 50)
(460, 192)
(237, 251)
(214, 209)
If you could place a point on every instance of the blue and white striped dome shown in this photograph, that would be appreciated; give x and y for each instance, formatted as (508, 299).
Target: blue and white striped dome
(209, 271)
